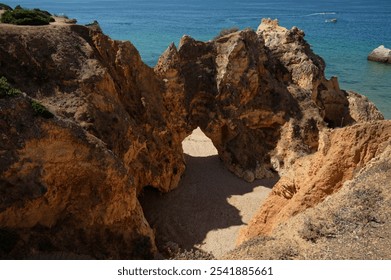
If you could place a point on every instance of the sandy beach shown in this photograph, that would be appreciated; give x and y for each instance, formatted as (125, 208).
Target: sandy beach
(210, 205)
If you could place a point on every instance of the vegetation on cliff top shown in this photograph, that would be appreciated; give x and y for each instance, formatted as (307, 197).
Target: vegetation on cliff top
(21, 16)
(6, 90)
(41, 110)
(4, 7)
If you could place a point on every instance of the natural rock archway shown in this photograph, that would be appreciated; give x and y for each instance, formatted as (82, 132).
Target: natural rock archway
(261, 97)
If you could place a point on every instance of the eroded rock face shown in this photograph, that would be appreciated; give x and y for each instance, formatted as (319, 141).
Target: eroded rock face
(262, 97)
(353, 223)
(315, 177)
(71, 182)
(224, 92)
(102, 85)
(63, 190)
(305, 70)
(102, 89)
(361, 109)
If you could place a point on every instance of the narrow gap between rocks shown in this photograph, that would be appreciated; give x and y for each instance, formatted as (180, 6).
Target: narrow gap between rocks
(210, 205)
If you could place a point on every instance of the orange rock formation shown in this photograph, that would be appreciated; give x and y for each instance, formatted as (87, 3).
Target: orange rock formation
(70, 183)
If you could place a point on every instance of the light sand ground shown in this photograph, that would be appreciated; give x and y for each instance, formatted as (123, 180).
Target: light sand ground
(210, 205)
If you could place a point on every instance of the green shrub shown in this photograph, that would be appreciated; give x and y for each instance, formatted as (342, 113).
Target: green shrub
(21, 16)
(41, 110)
(5, 7)
(6, 90)
(46, 13)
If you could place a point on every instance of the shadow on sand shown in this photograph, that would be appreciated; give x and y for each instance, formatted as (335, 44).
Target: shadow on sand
(201, 203)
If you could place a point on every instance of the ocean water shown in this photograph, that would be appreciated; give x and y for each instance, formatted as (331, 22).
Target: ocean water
(152, 25)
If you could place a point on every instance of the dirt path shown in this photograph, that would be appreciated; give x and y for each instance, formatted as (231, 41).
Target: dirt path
(209, 206)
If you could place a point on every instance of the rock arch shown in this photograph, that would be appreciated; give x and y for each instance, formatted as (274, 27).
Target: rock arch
(261, 97)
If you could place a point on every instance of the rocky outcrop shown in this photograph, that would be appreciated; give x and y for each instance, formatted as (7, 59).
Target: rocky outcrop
(225, 94)
(380, 54)
(315, 177)
(353, 223)
(103, 90)
(62, 190)
(102, 85)
(304, 71)
(70, 183)
(361, 109)
(262, 97)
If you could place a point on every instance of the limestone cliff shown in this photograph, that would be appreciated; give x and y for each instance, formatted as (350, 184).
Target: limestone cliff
(54, 179)
(262, 97)
(62, 190)
(353, 223)
(83, 76)
(70, 183)
(315, 177)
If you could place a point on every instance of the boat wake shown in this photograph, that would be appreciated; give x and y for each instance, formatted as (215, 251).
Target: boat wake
(321, 14)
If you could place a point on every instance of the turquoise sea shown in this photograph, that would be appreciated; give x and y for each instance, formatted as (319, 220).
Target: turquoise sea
(151, 26)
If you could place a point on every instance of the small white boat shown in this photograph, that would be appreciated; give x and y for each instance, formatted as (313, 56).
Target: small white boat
(333, 20)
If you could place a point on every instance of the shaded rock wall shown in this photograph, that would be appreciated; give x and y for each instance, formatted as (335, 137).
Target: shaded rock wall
(103, 90)
(63, 190)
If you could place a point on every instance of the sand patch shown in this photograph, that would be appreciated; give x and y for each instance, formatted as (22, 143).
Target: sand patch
(210, 205)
